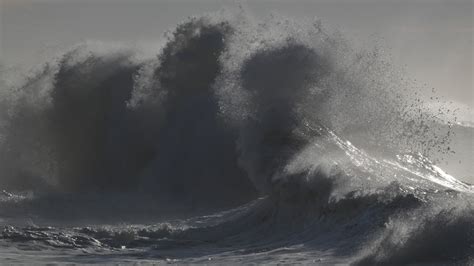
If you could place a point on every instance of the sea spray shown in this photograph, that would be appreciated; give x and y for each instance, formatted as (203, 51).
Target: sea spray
(324, 148)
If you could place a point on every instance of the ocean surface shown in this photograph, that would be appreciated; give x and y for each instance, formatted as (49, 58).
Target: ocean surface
(238, 141)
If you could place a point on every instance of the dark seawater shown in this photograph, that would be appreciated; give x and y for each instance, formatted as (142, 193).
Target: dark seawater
(240, 142)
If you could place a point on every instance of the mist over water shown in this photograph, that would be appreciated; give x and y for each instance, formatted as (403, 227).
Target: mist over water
(279, 139)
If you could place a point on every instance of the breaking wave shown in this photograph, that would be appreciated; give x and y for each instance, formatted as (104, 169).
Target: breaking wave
(327, 151)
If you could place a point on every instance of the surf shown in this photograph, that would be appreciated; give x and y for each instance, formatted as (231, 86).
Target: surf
(244, 140)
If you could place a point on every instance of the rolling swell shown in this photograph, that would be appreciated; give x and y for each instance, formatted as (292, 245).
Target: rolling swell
(227, 112)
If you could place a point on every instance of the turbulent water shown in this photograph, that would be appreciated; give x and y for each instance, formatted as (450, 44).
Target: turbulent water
(241, 141)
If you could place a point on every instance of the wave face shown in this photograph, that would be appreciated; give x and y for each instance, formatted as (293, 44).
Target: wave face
(326, 150)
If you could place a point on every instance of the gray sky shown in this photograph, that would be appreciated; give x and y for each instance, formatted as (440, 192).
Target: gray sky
(433, 40)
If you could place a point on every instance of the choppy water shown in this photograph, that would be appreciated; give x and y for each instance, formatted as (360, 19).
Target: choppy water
(241, 142)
